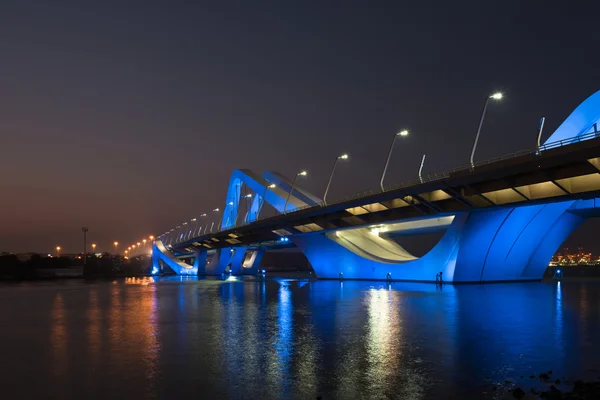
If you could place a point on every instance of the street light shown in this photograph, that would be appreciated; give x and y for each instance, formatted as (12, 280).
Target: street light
(403, 133)
(495, 96)
(342, 157)
(301, 173)
(93, 247)
(116, 247)
(212, 223)
(262, 203)
(58, 251)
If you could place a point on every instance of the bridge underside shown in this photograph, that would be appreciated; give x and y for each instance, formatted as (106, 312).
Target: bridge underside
(503, 244)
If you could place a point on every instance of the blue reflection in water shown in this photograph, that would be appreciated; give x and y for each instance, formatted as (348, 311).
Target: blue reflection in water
(274, 339)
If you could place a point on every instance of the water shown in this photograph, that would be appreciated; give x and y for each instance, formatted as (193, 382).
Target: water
(173, 338)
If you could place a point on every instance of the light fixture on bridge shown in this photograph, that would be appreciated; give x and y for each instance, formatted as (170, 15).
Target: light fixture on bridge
(342, 157)
(216, 209)
(495, 96)
(230, 203)
(284, 239)
(301, 173)
(247, 196)
(402, 133)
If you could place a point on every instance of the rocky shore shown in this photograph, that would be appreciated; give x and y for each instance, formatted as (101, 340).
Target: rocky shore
(545, 386)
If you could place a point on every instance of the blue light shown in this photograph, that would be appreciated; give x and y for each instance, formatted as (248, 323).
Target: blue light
(284, 239)
(558, 270)
(155, 270)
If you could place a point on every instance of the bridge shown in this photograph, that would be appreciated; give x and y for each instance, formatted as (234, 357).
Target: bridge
(502, 219)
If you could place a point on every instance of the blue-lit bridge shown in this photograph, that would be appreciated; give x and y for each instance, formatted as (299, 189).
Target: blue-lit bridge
(503, 219)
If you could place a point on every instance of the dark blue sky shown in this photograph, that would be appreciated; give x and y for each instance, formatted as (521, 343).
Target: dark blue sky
(129, 116)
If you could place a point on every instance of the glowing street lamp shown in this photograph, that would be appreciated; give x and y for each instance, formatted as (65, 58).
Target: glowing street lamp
(151, 238)
(212, 223)
(262, 203)
(116, 247)
(58, 251)
(342, 157)
(403, 133)
(495, 96)
(93, 247)
(301, 173)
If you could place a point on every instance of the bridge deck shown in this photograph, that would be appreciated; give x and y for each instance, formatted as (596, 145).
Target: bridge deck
(567, 172)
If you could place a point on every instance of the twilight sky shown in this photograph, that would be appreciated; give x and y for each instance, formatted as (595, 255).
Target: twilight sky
(129, 116)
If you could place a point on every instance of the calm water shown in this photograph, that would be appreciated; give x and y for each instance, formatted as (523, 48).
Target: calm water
(168, 338)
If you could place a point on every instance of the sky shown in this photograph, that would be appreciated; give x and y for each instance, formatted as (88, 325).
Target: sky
(128, 117)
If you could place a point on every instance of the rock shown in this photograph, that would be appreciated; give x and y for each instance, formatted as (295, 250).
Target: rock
(544, 376)
(518, 393)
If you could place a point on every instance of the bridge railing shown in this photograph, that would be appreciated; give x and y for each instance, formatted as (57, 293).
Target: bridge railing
(432, 177)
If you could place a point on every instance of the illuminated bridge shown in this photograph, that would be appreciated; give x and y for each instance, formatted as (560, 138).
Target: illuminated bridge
(503, 219)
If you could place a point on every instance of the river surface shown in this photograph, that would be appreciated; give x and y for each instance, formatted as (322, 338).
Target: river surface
(278, 339)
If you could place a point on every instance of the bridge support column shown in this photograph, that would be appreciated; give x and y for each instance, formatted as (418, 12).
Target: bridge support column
(220, 261)
(200, 262)
(503, 244)
(161, 253)
(246, 261)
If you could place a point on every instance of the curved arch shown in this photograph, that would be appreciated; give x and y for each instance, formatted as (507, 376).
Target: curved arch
(275, 178)
(580, 121)
(276, 197)
(514, 243)
(161, 253)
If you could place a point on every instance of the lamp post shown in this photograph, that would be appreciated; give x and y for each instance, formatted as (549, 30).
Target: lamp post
(403, 133)
(85, 231)
(342, 157)
(57, 251)
(301, 173)
(421, 169)
(116, 248)
(94, 248)
(230, 204)
(246, 196)
(213, 222)
(495, 96)
(198, 226)
(262, 203)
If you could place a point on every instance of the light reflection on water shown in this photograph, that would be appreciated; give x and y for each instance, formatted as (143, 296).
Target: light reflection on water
(167, 338)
